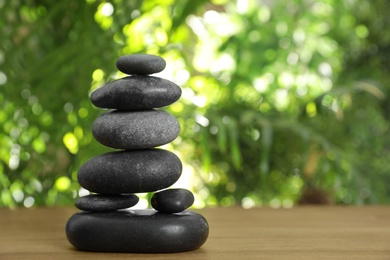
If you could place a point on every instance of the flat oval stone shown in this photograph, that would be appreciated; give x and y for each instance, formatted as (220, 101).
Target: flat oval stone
(137, 231)
(135, 130)
(172, 200)
(142, 64)
(130, 171)
(136, 93)
(102, 202)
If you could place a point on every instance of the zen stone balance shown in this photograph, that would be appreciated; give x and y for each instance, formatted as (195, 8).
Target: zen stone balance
(135, 127)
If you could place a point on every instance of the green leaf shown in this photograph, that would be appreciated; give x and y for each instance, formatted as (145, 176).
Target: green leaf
(266, 142)
(235, 152)
(221, 136)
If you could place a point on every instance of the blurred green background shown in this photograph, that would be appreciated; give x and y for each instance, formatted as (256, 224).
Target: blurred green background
(284, 102)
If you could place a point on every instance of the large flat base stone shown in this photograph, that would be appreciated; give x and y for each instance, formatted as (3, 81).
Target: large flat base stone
(137, 231)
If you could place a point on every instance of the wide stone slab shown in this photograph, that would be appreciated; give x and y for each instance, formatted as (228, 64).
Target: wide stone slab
(172, 200)
(135, 130)
(130, 171)
(103, 202)
(136, 93)
(140, 64)
(138, 231)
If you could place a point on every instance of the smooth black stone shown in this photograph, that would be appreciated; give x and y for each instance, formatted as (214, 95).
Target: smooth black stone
(140, 64)
(172, 200)
(135, 130)
(136, 93)
(130, 171)
(102, 202)
(137, 231)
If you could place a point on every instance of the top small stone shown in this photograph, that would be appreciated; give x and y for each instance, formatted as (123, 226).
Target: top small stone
(140, 64)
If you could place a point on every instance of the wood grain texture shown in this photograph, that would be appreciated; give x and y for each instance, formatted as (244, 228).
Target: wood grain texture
(259, 233)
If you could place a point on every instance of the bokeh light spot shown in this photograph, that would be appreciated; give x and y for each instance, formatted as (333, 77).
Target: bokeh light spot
(70, 142)
(97, 75)
(62, 183)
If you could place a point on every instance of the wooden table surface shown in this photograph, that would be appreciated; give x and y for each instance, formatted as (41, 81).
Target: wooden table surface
(261, 233)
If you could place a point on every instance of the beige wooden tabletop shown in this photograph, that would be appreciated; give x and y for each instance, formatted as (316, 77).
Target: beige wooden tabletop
(324, 232)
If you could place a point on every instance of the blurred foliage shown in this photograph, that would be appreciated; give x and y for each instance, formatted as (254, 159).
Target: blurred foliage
(284, 102)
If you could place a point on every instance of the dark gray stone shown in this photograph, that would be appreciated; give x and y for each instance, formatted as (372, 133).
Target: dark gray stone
(135, 130)
(130, 171)
(102, 202)
(140, 64)
(137, 231)
(172, 200)
(136, 93)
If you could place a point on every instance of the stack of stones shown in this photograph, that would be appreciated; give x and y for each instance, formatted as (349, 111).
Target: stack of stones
(134, 125)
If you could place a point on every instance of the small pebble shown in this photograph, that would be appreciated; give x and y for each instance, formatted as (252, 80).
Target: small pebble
(141, 64)
(100, 202)
(172, 200)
